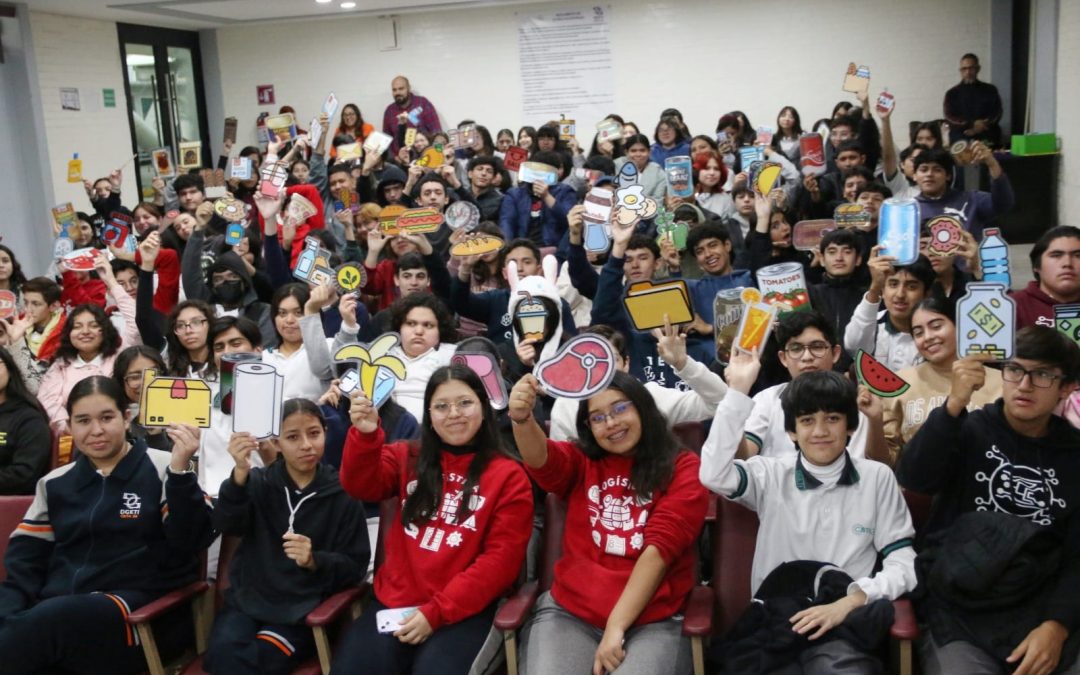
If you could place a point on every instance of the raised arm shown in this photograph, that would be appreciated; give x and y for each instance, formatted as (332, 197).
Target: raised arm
(720, 472)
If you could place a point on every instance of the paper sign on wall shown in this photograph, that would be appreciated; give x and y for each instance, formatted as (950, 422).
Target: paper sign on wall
(647, 302)
(487, 369)
(583, 367)
(377, 372)
(986, 321)
(257, 397)
(174, 400)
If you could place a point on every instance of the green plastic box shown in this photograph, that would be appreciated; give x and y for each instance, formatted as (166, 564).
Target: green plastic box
(1035, 144)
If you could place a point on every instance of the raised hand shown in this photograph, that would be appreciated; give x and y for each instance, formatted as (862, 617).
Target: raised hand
(364, 415)
(742, 370)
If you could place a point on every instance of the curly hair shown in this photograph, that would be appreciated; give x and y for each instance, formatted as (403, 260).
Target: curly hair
(443, 316)
(110, 337)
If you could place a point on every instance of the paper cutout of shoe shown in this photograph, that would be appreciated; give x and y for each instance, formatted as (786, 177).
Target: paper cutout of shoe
(581, 369)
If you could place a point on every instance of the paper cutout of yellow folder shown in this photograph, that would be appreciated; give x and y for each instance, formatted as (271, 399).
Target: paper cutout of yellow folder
(647, 302)
(174, 400)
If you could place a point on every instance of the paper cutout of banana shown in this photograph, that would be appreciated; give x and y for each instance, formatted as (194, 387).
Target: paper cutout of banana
(376, 368)
(476, 246)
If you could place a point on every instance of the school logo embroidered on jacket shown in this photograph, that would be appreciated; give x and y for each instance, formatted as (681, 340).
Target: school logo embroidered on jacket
(618, 515)
(132, 505)
(1019, 490)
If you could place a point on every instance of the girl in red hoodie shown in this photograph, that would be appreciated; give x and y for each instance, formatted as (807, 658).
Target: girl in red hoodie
(635, 507)
(447, 559)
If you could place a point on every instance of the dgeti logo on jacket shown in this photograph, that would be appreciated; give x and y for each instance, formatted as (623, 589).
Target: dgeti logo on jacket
(620, 514)
(132, 506)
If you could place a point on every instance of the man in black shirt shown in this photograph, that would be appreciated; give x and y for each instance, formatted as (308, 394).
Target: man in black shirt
(973, 108)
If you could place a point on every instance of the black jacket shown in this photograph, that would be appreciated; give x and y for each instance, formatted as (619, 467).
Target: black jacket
(266, 584)
(197, 285)
(24, 447)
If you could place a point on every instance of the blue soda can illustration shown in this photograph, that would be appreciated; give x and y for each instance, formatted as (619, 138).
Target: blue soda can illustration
(749, 154)
(994, 257)
(678, 172)
(985, 321)
(898, 230)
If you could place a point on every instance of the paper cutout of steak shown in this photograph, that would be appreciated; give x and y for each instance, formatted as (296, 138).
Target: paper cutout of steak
(582, 368)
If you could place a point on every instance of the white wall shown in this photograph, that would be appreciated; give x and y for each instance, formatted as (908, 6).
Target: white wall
(81, 53)
(701, 56)
(1068, 112)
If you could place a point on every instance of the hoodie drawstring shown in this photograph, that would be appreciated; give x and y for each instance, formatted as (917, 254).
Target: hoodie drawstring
(292, 509)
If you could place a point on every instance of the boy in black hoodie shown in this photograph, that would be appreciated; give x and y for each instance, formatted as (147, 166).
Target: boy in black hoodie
(1012, 457)
(843, 283)
(304, 539)
(227, 284)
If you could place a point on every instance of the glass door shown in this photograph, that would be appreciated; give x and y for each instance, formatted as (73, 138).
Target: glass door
(162, 76)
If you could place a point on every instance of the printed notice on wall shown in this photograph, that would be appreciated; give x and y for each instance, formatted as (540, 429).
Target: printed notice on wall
(566, 65)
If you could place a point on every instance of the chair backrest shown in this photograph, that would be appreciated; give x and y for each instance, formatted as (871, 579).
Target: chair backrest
(230, 543)
(734, 537)
(12, 510)
(554, 522)
(691, 435)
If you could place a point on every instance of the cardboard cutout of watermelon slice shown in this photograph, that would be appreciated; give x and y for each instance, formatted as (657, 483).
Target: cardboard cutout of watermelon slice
(878, 379)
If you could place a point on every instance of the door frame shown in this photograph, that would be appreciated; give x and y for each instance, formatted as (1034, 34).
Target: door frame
(160, 39)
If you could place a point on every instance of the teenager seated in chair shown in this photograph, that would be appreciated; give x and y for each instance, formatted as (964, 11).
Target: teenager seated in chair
(1016, 463)
(298, 548)
(448, 558)
(820, 504)
(634, 512)
(115, 529)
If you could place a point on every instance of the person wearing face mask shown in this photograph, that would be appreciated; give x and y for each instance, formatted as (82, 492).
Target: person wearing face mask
(227, 285)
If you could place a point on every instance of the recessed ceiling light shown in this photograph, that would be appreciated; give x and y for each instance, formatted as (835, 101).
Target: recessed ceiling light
(323, 2)
(348, 5)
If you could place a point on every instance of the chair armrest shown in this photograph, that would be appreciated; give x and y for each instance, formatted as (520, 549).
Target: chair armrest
(904, 626)
(513, 612)
(698, 613)
(330, 608)
(710, 512)
(167, 603)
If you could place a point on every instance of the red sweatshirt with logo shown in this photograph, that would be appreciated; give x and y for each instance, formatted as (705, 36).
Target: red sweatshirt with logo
(608, 526)
(451, 570)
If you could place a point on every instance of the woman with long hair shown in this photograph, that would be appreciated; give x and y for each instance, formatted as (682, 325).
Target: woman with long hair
(788, 130)
(119, 527)
(352, 124)
(634, 509)
(933, 327)
(12, 276)
(526, 138)
(463, 516)
(24, 432)
(710, 176)
(928, 134)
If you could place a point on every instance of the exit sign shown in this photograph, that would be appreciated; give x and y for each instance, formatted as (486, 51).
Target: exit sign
(265, 93)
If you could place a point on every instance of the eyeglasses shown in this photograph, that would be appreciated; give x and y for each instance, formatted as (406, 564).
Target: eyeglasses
(465, 406)
(194, 324)
(1044, 379)
(133, 379)
(615, 411)
(817, 349)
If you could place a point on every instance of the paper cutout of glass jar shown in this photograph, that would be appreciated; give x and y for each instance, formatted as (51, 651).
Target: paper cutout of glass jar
(986, 322)
(898, 229)
(240, 168)
(727, 311)
(388, 219)
(945, 236)
(962, 152)
(487, 369)
(348, 152)
(229, 362)
(567, 128)
(766, 177)
(784, 285)
(231, 209)
(190, 155)
(994, 258)
(82, 260)
(812, 154)
(877, 377)
(647, 302)
(608, 129)
(885, 102)
(258, 390)
(273, 177)
(213, 183)
(350, 277)
(64, 215)
(7, 304)
(377, 372)
(476, 245)
(313, 264)
(807, 234)
(1067, 321)
(515, 156)
(174, 400)
(462, 214)
(377, 142)
(537, 171)
(857, 79)
(756, 322)
(283, 127)
(420, 221)
(678, 172)
(852, 215)
(632, 206)
(599, 201)
(582, 368)
(116, 230)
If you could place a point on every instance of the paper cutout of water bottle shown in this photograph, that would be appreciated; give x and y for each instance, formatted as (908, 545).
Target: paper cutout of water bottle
(994, 258)
(986, 322)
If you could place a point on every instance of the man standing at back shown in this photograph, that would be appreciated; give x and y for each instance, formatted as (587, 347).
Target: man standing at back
(408, 111)
(973, 108)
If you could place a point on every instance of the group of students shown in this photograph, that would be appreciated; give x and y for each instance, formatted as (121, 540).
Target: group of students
(130, 508)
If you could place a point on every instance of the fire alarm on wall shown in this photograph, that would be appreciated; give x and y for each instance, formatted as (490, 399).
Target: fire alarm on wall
(265, 92)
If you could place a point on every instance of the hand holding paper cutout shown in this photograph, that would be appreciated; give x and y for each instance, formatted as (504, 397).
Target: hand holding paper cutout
(583, 367)
(364, 415)
(377, 369)
(523, 398)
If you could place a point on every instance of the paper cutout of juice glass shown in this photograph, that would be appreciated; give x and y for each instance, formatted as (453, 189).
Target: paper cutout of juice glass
(377, 372)
(756, 321)
(986, 322)
(273, 179)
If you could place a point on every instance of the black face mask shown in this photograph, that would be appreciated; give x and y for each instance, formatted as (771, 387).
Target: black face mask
(229, 293)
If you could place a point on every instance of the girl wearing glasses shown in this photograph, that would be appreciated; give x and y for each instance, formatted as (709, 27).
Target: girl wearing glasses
(448, 558)
(186, 349)
(635, 507)
(128, 373)
(933, 327)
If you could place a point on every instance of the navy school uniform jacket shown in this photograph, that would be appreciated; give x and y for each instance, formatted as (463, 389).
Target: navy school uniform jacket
(266, 584)
(140, 528)
(491, 307)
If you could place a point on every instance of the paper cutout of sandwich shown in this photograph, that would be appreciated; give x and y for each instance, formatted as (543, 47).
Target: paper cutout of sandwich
(476, 246)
